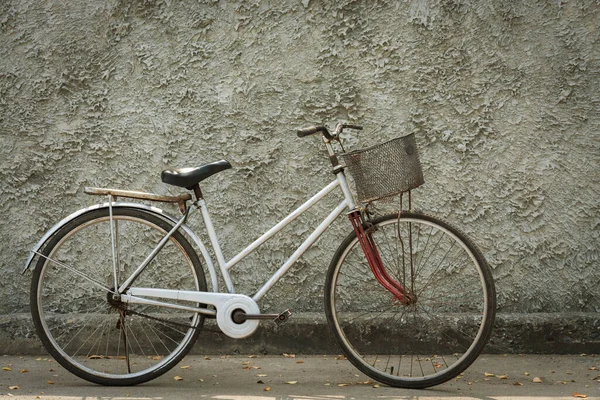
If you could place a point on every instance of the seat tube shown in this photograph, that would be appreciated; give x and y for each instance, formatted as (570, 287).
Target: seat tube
(214, 241)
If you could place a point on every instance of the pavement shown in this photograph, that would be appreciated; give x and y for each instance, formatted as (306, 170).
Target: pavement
(311, 377)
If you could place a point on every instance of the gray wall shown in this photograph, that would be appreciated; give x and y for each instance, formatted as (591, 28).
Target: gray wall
(504, 97)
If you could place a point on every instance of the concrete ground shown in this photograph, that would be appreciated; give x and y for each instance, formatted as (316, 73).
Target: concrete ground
(298, 377)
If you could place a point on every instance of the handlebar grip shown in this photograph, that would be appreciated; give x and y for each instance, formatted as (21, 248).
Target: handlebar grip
(314, 129)
(357, 127)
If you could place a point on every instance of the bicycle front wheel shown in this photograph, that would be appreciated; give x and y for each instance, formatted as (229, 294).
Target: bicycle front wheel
(84, 328)
(447, 314)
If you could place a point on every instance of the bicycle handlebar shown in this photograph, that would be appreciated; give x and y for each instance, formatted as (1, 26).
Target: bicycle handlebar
(315, 129)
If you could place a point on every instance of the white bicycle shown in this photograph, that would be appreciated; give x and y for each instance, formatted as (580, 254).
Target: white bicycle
(119, 293)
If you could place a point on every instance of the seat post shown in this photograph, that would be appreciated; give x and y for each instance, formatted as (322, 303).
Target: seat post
(197, 191)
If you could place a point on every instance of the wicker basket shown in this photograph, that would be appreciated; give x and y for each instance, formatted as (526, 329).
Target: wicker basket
(386, 169)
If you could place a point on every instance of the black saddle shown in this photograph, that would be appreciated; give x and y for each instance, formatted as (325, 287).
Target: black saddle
(190, 177)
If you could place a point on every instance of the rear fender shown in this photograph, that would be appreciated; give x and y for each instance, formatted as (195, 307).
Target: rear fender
(154, 210)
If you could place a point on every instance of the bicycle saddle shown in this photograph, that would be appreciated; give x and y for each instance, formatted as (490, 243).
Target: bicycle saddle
(188, 177)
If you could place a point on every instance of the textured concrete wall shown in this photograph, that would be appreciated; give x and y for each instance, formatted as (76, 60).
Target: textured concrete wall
(504, 97)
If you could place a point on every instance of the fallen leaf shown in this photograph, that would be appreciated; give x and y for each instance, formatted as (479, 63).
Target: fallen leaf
(245, 362)
(252, 356)
(177, 378)
(23, 371)
(517, 384)
(261, 375)
(593, 368)
(38, 359)
(437, 365)
(261, 382)
(527, 374)
(488, 374)
(341, 357)
(267, 389)
(343, 384)
(579, 395)
(201, 380)
(7, 368)
(156, 357)
(537, 380)
(207, 358)
(95, 357)
(14, 387)
(376, 386)
(50, 382)
(291, 382)
(502, 376)
(299, 362)
(186, 367)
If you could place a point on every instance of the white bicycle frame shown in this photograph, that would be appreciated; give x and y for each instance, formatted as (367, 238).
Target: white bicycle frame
(139, 295)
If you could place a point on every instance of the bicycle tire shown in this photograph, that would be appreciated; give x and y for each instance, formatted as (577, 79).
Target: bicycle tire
(446, 325)
(99, 339)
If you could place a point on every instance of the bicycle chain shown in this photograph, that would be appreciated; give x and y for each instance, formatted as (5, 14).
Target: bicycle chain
(170, 322)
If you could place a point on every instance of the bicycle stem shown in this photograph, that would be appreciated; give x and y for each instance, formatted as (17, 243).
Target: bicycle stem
(374, 259)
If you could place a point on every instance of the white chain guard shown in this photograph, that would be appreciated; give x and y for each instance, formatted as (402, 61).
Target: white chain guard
(225, 314)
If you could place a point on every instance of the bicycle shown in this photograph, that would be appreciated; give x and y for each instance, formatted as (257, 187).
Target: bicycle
(119, 295)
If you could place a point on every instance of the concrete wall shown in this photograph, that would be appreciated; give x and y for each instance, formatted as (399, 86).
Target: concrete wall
(504, 97)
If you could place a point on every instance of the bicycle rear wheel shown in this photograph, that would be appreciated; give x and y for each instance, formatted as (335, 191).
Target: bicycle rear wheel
(95, 337)
(447, 318)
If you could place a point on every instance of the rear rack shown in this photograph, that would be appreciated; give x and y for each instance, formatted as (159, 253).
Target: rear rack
(180, 200)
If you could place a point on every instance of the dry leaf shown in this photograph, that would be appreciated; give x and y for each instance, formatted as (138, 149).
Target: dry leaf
(23, 371)
(6, 368)
(201, 380)
(526, 373)
(502, 376)
(50, 382)
(14, 387)
(156, 357)
(261, 375)
(341, 357)
(186, 367)
(376, 386)
(537, 380)
(437, 365)
(95, 357)
(518, 384)
(177, 378)
(253, 356)
(267, 389)
(593, 368)
(488, 374)
(299, 362)
(343, 384)
(291, 382)
(579, 395)
(261, 382)
(207, 358)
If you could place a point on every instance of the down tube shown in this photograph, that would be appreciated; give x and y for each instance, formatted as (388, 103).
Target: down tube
(307, 243)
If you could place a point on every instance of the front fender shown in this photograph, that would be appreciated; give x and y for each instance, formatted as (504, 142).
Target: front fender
(154, 210)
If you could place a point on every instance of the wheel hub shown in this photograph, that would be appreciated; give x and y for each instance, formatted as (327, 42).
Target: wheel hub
(114, 300)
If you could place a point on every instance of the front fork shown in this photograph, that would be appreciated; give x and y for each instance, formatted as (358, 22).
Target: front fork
(369, 247)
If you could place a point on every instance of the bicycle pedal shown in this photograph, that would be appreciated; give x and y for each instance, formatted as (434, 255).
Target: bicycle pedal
(283, 317)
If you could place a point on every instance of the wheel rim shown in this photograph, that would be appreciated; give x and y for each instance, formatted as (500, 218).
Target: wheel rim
(397, 342)
(86, 328)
